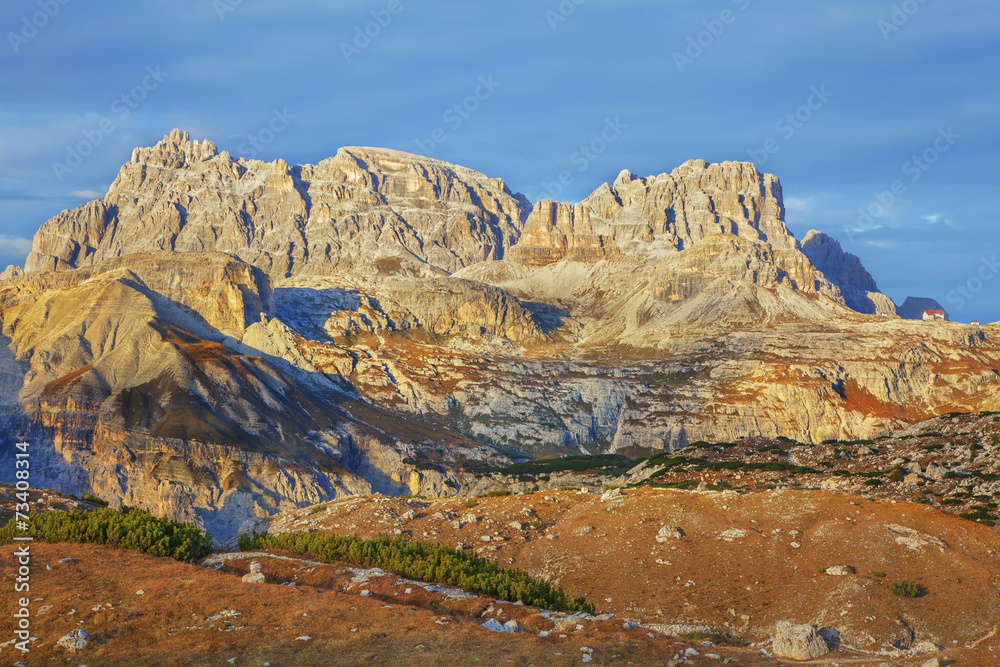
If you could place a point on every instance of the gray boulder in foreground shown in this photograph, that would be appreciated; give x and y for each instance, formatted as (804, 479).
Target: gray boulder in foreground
(798, 642)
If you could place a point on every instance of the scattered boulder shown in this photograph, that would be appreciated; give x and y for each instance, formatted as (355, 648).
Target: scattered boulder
(409, 515)
(75, 640)
(255, 576)
(798, 642)
(912, 478)
(496, 626)
(669, 532)
(612, 494)
(933, 662)
(731, 534)
(512, 626)
(937, 472)
(840, 570)
(925, 646)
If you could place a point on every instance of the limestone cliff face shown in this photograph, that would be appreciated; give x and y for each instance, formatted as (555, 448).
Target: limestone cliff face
(650, 216)
(130, 378)
(845, 270)
(11, 273)
(704, 230)
(220, 339)
(364, 207)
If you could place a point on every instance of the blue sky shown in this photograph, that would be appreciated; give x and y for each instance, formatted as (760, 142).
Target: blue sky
(893, 105)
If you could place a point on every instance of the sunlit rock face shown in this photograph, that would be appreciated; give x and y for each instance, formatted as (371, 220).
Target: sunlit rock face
(219, 339)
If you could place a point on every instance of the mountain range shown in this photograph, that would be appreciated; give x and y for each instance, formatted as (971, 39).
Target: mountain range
(220, 339)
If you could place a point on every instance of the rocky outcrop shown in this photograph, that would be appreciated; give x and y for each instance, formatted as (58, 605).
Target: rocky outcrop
(652, 218)
(845, 270)
(127, 379)
(11, 273)
(695, 200)
(798, 642)
(383, 210)
(914, 306)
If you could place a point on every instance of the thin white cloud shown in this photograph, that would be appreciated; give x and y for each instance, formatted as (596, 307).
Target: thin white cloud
(13, 250)
(935, 218)
(798, 204)
(87, 194)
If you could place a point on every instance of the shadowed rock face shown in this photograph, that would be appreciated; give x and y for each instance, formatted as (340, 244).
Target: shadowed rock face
(845, 270)
(379, 322)
(914, 306)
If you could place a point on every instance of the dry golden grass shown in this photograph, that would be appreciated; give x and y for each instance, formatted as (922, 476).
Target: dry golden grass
(176, 622)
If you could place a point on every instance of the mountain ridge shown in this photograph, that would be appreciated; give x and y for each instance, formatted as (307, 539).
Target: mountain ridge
(218, 339)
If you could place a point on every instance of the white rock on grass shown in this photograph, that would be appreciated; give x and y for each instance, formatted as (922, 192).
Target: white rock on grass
(75, 640)
(840, 570)
(494, 625)
(255, 576)
(798, 642)
(612, 494)
(668, 533)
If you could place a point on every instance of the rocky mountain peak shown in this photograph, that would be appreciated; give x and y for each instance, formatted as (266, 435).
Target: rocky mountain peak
(654, 216)
(380, 209)
(845, 270)
(11, 273)
(175, 150)
(914, 306)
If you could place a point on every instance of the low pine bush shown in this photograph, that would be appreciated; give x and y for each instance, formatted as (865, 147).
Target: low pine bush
(127, 528)
(94, 500)
(424, 562)
(906, 589)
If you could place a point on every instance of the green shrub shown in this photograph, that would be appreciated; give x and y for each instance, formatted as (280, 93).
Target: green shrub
(566, 463)
(822, 570)
(979, 514)
(94, 500)
(495, 493)
(423, 562)
(686, 485)
(897, 474)
(906, 589)
(470, 503)
(128, 528)
(878, 573)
